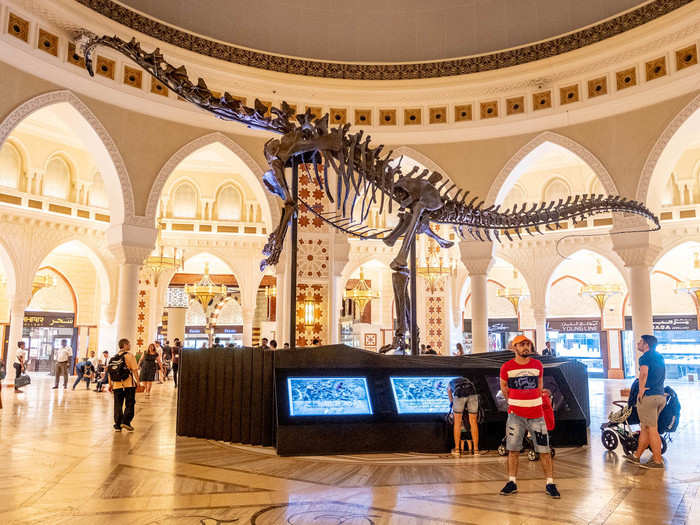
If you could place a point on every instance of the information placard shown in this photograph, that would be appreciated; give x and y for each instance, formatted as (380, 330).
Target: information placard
(328, 396)
(421, 394)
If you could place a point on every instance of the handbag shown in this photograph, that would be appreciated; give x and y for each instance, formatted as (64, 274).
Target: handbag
(22, 380)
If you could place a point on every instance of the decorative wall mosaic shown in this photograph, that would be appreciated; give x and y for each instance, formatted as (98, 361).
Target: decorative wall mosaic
(318, 293)
(142, 309)
(444, 68)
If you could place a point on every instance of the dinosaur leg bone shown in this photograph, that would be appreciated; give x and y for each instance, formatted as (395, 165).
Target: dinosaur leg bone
(275, 241)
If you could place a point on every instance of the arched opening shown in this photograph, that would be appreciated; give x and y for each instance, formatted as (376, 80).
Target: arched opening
(549, 171)
(7, 290)
(11, 166)
(509, 310)
(585, 298)
(214, 162)
(675, 290)
(60, 121)
(58, 180)
(68, 292)
(668, 177)
(367, 313)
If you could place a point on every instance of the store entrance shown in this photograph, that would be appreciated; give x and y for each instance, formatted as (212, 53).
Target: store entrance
(580, 339)
(43, 334)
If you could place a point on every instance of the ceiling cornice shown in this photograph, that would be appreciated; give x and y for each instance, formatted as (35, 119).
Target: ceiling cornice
(401, 71)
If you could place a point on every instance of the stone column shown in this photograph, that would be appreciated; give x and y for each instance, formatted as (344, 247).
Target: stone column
(477, 258)
(17, 307)
(540, 328)
(480, 317)
(638, 253)
(248, 317)
(176, 323)
(128, 295)
(334, 298)
(340, 258)
(130, 244)
(281, 303)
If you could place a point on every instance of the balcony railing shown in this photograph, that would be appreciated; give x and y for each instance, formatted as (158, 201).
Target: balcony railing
(13, 198)
(213, 226)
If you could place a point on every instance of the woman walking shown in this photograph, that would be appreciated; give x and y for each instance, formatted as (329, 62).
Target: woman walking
(149, 364)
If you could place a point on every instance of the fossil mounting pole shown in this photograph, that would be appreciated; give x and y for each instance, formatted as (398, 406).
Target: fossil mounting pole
(414, 301)
(293, 259)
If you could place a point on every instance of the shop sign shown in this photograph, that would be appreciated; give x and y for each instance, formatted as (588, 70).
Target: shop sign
(574, 326)
(195, 329)
(496, 325)
(229, 329)
(48, 320)
(669, 323)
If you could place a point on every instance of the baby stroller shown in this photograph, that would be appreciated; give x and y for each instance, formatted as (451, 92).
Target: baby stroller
(527, 439)
(618, 428)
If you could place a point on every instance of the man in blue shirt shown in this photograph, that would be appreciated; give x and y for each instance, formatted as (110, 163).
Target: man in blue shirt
(650, 402)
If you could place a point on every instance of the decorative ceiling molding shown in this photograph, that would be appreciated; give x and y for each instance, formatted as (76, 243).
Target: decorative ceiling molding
(356, 71)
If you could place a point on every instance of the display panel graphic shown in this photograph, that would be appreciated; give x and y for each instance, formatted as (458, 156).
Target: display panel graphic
(421, 394)
(328, 396)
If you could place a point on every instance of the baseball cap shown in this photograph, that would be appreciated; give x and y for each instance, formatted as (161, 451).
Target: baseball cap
(521, 339)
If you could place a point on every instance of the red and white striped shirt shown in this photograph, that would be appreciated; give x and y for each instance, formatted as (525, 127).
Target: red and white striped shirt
(524, 395)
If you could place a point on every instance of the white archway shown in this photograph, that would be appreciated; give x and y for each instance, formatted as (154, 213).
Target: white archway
(96, 139)
(665, 154)
(93, 253)
(254, 178)
(518, 164)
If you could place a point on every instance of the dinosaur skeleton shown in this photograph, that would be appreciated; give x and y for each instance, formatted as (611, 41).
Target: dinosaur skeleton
(362, 176)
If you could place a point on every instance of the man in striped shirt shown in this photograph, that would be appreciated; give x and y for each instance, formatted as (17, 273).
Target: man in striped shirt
(521, 384)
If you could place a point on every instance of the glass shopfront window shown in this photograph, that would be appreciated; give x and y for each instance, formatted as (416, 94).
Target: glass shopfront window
(679, 343)
(43, 333)
(579, 339)
(501, 332)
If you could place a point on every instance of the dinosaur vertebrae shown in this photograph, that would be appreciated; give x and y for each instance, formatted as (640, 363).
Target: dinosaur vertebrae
(530, 218)
(361, 171)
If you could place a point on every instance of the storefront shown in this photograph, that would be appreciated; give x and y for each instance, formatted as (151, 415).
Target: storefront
(196, 337)
(501, 332)
(679, 342)
(229, 334)
(580, 339)
(43, 333)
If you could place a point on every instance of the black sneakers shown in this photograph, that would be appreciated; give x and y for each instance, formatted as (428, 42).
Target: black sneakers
(551, 490)
(117, 429)
(511, 488)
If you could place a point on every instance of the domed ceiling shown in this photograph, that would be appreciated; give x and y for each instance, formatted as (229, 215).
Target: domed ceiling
(381, 30)
(382, 39)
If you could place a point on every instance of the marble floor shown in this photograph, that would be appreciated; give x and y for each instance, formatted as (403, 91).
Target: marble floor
(61, 463)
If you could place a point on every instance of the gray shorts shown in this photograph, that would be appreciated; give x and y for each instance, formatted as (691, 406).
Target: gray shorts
(649, 409)
(516, 426)
(471, 402)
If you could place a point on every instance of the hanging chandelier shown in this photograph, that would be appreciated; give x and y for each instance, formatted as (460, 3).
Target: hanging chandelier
(159, 262)
(434, 267)
(691, 286)
(42, 280)
(205, 290)
(361, 294)
(601, 292)
(513, 294)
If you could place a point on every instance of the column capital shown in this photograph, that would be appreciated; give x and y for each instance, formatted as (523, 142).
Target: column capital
(644, 255)
(129, 243)
(476, 256)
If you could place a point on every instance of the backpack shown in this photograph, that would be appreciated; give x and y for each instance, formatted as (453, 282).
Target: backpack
(117, 368)
(462, 387)
(670, 415)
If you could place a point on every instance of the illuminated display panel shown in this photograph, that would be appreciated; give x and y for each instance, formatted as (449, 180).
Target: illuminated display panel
(328, 396)
(421, 394)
